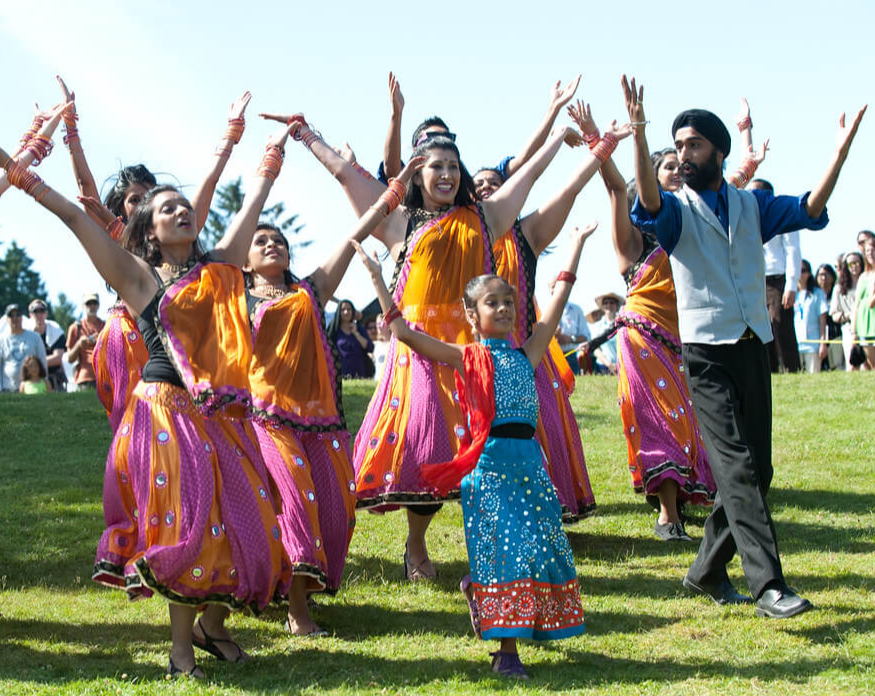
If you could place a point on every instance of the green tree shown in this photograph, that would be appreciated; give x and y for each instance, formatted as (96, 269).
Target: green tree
(19, 283)
(63, 311)
(228, 200)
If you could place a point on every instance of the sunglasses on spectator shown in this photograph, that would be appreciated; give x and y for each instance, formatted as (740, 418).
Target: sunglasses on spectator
(14, 315)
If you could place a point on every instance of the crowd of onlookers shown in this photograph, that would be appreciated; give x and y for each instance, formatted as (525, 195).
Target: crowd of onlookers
(37, 355)
(821, 320)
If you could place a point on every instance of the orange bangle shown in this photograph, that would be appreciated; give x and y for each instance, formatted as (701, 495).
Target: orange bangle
(115, 228)
(271, 163)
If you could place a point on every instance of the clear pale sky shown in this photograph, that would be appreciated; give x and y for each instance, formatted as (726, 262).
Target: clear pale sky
(153, 83)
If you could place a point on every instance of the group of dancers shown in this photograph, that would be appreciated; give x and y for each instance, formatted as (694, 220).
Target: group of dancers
(230, 482)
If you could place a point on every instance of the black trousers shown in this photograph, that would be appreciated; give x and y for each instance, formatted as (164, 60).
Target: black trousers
(732, 394)
(783, 351)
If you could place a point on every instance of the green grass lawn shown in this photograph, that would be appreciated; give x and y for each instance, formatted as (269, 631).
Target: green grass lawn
(61, 634)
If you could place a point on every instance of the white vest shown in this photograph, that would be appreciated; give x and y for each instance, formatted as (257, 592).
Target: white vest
(720, 279)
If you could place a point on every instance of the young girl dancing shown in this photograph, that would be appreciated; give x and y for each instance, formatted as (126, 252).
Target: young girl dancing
(523, 583)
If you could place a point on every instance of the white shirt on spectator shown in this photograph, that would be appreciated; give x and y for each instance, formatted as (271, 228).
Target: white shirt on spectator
(783, 255)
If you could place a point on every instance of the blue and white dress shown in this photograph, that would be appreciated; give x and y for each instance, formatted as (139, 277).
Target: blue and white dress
(522, 568)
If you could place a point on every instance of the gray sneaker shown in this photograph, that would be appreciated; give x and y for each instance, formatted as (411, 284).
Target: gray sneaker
(671, 531)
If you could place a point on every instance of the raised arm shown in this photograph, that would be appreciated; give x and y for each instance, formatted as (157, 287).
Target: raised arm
(542, 226)
(392, 147)
(648, 186)
(537, 344)
(844, 137)
(328, 276)
(628, 242)
(203, 197)
(130, 276)
(46, 123)
(745, 125)
(422, 343)
(81, 170)
(361, 190)
(558, 99)
(234, 244)
(503, 207)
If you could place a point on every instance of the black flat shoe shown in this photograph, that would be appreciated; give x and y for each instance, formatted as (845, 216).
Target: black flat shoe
(780, 602)
(723, 592)
(211, 645)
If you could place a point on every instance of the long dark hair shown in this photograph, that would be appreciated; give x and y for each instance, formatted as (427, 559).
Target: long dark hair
(811, 283)
(289, 278)
(136, 235)
(466, 194)
(334, 327)
(831, 272)
(846, 281)
(135, 174)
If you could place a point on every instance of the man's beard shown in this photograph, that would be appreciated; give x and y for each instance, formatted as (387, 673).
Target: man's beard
(699, 178)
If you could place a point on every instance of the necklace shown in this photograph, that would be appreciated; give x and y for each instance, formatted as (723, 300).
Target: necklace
(271, 290)
(174, 268)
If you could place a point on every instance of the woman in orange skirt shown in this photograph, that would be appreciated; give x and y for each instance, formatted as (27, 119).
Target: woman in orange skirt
(189, 514)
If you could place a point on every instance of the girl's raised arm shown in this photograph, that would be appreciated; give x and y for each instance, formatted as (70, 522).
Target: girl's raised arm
(35, 143)
(536, 345)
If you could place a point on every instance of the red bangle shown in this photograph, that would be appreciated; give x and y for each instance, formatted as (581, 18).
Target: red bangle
(41, 147)
(744, 123)
(24, 179)
(271, 163)
(566, 276)
(361, 170)
(392, 314)
(115, 228)
(591, 139)
(235, 129)
(605, 147)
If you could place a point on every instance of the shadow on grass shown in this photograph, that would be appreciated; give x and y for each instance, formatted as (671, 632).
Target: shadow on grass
(302, 664)
(839, 502)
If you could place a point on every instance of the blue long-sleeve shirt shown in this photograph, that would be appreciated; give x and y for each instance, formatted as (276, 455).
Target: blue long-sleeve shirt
(778, 215)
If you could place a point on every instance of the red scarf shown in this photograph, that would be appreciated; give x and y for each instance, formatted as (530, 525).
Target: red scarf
(476, 390)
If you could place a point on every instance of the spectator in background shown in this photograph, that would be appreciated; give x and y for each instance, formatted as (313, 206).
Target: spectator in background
(15, 346)
(80, 342)
(33, 377)
(826, 280)
(380, 338)
(54, 341)
(606, 354)
(571, 332)
(862, 236)
(351, 341)
(864, 314)
(843, 303)
(783, 257)
(810, 320)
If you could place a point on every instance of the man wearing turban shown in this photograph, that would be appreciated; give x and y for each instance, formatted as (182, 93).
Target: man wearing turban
(714, 234)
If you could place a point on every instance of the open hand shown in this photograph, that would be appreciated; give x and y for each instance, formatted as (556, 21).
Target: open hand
(96, 210)
(620, 132)
(634, 96)
(239, 107)
(372, 263)
(581, 235)
(560, 97)
(283, 118)
(68, 95)
(845, 135)
(413, 166)
(581, 114)
(744, 112)
(758, 155)
(346, 152)
(279, 138)
(395, 95)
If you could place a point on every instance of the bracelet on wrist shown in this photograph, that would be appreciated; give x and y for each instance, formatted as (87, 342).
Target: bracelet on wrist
(271, 162)
(24, 179)
(235, 129)
(115, 228)
(605, 147)
(392, 314)
(744, 124)
(566, 276)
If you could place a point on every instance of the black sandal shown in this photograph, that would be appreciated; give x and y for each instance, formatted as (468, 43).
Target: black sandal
(174, 672)
(210, 645)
